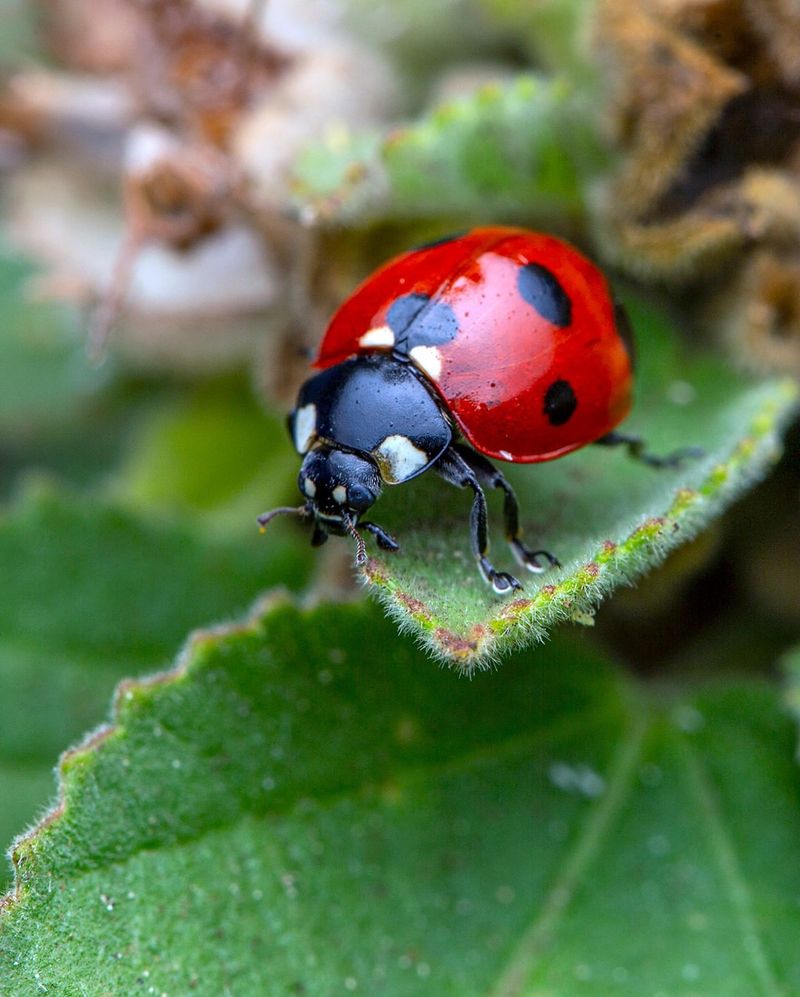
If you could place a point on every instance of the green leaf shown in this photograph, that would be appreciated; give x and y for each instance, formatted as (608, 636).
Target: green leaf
(291, 812)
(92, 593)
(57, 412)
(791, 667)
(424, 39)
(606, 517)
(555, 31)
(44, 374)
(212, 454)
(518, 151)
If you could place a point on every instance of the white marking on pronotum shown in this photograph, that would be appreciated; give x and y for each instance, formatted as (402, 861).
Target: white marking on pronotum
(309, 487)
(340, 494)
(399, 459)
(381, 335)
(429, 359)
(305, 427)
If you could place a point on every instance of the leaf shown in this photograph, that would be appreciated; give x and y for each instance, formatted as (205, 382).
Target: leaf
(292, 812)
(516, 151)
(424, 39)
(606, 517)
(212, 454)
(791, 668)
(44, 373)
(92, 593)
(58, 413)
(555, 32)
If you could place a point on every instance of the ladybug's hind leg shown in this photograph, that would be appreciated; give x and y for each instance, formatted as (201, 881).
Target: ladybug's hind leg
(636, 449)
(455, 470)
(489, 476)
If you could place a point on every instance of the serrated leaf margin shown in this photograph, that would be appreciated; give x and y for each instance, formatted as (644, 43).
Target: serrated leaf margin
(524, 621)
(23, 848)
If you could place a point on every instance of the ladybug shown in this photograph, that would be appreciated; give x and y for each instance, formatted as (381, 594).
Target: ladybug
(498, 342)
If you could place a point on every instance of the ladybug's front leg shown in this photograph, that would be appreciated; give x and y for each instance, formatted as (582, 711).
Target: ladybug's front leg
(455, 470)
(385, 540)
(319, 536)
(488, 475)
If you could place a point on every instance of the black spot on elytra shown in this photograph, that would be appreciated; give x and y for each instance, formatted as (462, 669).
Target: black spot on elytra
(625, 331)
(440, 242)
(542, 290)
(559, 402)
(417, 320)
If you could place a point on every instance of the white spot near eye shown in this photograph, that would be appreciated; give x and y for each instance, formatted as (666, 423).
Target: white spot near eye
(398, 459)
(305, 426)
(428, 359)
(381, 335)
(340, 494)
(309, 487)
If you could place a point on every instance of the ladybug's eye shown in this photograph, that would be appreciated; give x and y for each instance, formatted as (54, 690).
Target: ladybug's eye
(359, 497)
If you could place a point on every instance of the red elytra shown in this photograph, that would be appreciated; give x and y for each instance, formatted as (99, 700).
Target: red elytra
(531, 357)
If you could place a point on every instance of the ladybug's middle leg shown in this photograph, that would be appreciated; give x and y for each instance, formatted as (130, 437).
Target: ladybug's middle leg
(488, 475)
(455, 470)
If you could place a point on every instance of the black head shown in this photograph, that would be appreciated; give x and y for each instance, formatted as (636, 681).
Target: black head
(339, 486)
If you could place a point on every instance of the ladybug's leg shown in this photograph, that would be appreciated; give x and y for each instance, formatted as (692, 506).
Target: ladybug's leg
(455, 470)
(636, 449)
(385, 540)
(319, 536)
(488, 475)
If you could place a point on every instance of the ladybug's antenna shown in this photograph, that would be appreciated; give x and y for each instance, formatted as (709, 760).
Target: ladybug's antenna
(361, 547)
(284, 510)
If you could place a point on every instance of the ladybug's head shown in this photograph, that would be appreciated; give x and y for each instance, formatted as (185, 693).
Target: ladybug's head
(339, 485)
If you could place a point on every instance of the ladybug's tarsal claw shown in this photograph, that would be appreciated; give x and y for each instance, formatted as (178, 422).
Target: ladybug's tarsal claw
(502, 583)
(530, 559)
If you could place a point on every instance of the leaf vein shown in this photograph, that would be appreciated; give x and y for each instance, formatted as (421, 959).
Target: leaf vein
(524, 958)
(730, 868)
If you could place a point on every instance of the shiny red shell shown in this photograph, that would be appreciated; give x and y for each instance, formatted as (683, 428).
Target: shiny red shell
(526, 377)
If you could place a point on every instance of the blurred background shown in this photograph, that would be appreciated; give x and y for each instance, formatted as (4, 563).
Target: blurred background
(189, 188)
